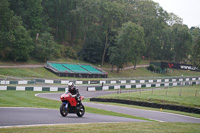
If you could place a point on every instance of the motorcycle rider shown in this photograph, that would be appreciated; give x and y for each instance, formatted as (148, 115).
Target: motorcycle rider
(72, 89)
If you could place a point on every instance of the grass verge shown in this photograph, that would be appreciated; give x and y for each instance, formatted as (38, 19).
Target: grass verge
(143, 72)
(150, 127)
(185, 96)
(148, 108)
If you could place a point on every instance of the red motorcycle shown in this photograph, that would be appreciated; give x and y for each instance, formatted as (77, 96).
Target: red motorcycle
(70, 105)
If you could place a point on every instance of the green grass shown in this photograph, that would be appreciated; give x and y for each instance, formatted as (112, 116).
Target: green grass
(28, 99)
(105, 112)
(27, 72)
(43, 73)
(150, 127)
(143, 72)
(186, 98)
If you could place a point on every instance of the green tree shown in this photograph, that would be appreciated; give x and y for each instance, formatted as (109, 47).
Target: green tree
(89, 11)
(129, 46)
(45, 47)
(174, 19)
(196, 53)
(31, 13)
(131, 36)
(22, 46)
(6, 23)
(92, 47)
(63, 18)
(117, 56)
(152, 18)
(15, 42)
(111, 18)
(182, 42)
(195, 32)
(167, 44)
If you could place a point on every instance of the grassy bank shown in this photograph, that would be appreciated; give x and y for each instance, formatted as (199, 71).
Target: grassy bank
(27, 72)
(150, 127)
(185, 96)
(43, 73)
(143, 72)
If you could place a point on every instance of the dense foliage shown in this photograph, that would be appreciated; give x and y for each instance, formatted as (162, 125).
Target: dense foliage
(92, 30)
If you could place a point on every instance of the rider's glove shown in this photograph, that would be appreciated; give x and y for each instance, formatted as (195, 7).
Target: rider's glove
(73, 95)
(78, 99)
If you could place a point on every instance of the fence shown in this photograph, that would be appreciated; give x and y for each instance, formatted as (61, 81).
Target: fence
(110, 81)
(165, 91)
(148, 85)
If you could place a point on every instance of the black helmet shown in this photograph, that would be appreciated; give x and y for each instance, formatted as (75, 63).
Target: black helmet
(70, 85)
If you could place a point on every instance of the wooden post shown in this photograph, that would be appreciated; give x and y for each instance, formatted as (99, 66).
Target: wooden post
(196, 93)
(180, 92)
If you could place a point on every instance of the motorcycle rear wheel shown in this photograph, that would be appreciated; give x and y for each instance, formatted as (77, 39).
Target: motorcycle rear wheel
(81, 111)
(63, 111)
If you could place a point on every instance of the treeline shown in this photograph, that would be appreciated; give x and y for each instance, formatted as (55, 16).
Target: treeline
(115, 31)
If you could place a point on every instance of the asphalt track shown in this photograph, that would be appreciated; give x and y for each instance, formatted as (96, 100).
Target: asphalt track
(14, 116)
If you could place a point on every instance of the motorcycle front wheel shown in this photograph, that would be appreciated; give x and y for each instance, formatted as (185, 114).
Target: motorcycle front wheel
(64, 110)
(81, 111)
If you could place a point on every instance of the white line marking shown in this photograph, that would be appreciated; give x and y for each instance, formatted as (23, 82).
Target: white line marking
(156, 120)
(33, 125)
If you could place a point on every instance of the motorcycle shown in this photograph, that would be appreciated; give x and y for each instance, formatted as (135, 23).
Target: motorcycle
(70, 105)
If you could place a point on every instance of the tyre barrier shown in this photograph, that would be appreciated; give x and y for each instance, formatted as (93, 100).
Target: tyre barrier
(152, 105)
(131, 81)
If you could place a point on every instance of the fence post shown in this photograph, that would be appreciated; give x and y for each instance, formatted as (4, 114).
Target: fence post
(180, 92)
(196, 93)
(166, 91)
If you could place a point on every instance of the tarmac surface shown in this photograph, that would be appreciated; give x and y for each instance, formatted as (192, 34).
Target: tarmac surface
(18, 116)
